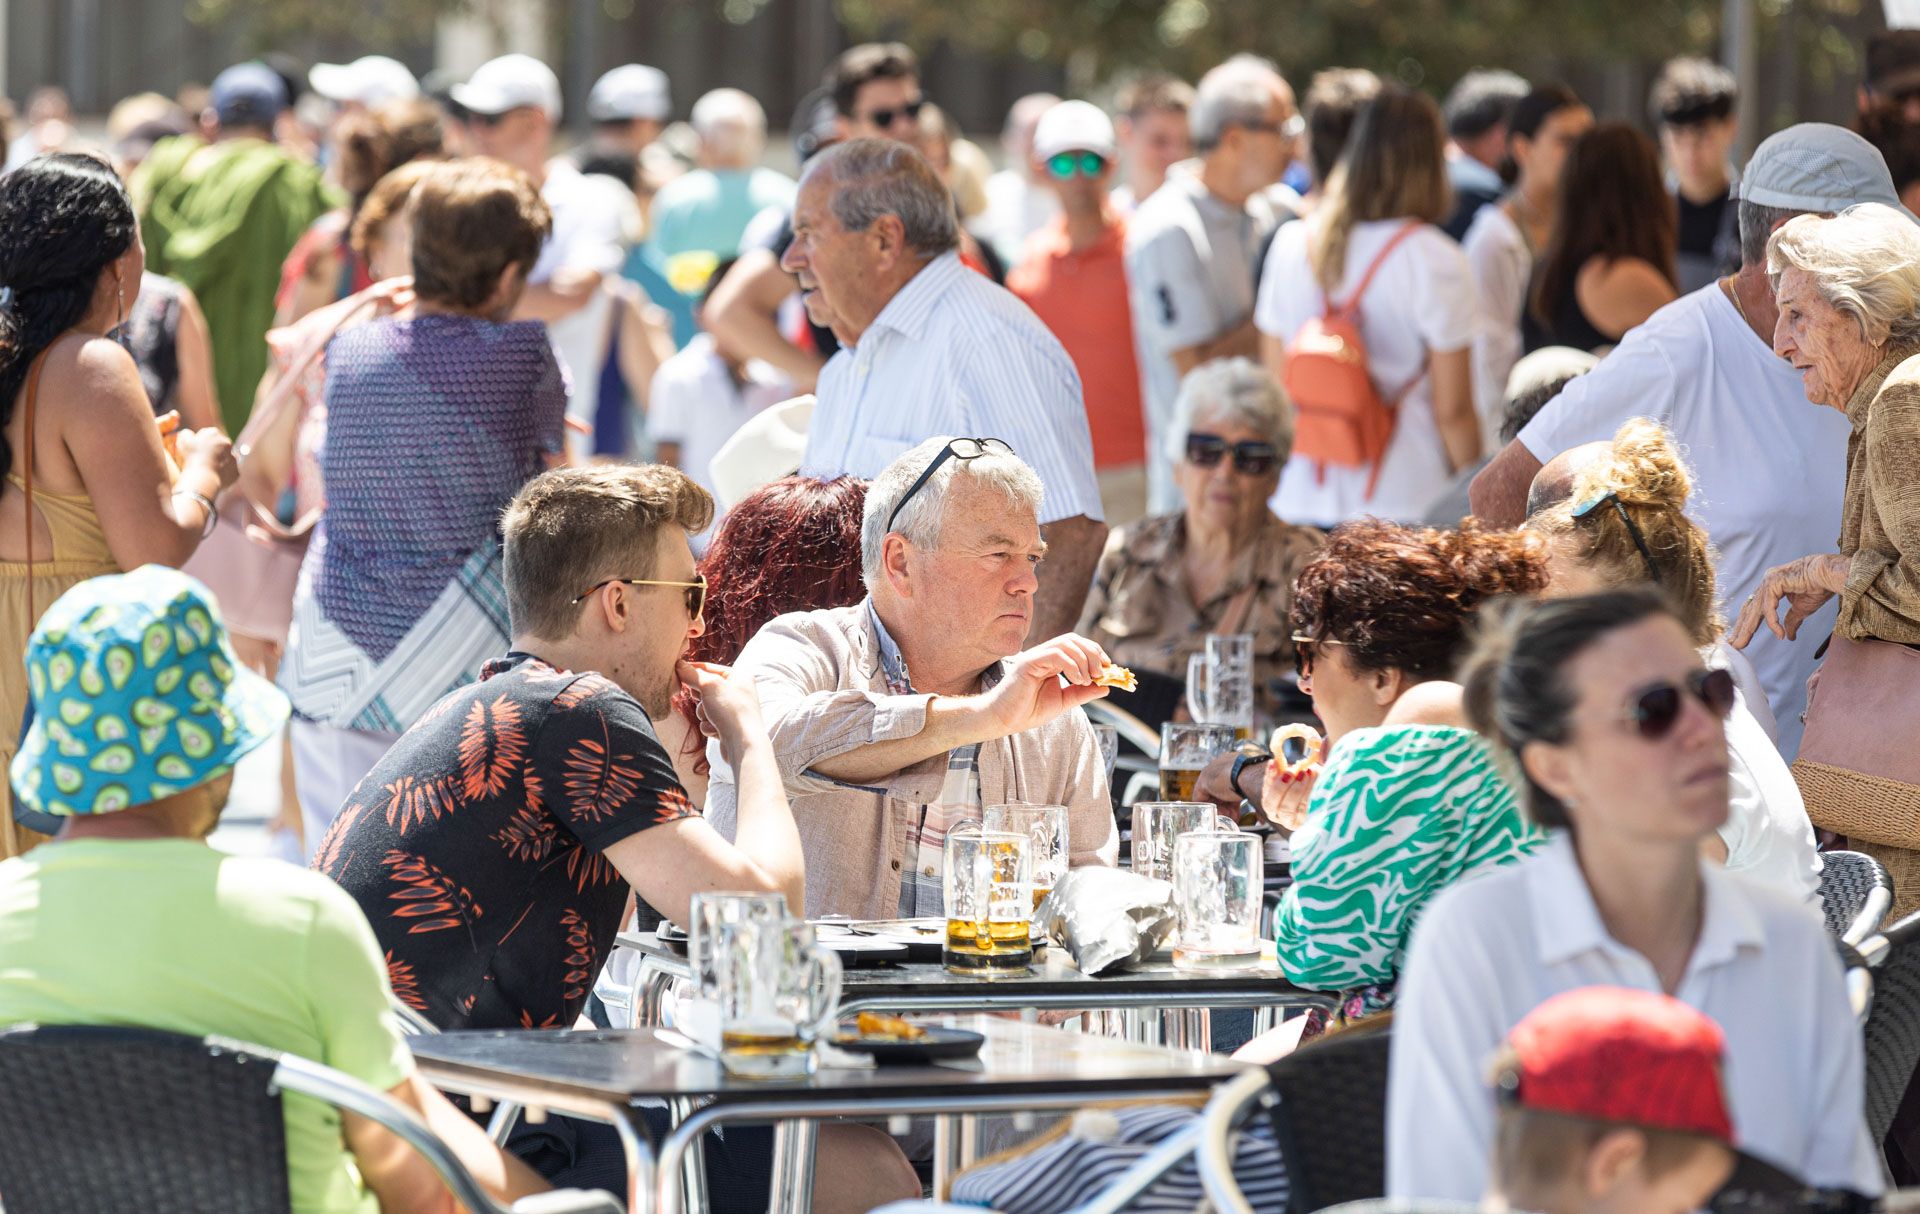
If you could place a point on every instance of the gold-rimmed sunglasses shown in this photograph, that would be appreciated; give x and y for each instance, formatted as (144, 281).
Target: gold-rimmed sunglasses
(1303, 652)
(696, 590)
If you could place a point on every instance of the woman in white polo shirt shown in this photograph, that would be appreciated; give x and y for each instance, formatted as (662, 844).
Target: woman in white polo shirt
(1616, 724)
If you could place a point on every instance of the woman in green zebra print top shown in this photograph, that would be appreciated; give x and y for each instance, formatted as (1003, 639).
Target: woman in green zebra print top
(1407, 800)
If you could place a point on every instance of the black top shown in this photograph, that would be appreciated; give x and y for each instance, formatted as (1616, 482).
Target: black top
(1570, 325)
(474, 847)
(1709, 246)
(153, 338)
(1467, 201)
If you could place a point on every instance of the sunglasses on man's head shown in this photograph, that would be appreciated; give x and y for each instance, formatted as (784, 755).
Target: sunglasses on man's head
(1063, 165)
(885, 117)
(1249, 458)
(1656, 709)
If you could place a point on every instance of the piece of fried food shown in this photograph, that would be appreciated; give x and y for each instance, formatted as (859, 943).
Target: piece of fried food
(1117, 677)
(873, 1024)
(1306, 733)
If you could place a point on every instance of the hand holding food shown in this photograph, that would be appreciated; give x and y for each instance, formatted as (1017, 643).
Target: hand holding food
(1310, 755)
(1117, 677)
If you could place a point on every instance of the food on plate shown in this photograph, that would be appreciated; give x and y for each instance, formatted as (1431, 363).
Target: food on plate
(1309, 756)
(873, 1024)
(1117, 677)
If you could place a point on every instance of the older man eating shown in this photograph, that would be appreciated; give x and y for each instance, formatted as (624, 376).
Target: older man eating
(895, 718)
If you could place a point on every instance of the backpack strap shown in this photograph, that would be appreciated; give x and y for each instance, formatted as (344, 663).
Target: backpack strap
(1350, 308)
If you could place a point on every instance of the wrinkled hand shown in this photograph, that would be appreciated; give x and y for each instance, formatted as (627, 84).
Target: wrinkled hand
(1032, 694)
(1805, 584)
(726, 705)
(1284, 795)
(210, 449)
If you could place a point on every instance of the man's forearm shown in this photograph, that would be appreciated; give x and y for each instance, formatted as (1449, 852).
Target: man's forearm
(1499, 494)
(743, 312)
(952, 721)
(542, 302)
(764, 829)
(1073, 550)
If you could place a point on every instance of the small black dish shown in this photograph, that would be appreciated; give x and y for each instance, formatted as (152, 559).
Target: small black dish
(939, 1044)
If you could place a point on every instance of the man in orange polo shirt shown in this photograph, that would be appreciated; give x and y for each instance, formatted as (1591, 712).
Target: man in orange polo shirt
(1073, 275)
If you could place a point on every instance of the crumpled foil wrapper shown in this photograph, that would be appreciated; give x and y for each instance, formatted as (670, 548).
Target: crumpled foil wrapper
(1107, 917)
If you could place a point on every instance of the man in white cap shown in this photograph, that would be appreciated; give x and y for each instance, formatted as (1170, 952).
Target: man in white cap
(629, 106)
(514, 104)
(1768, 468)
(1073, 274)
(367, 83)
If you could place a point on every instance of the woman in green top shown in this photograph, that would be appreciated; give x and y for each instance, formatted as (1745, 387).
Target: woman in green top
(1407, 800)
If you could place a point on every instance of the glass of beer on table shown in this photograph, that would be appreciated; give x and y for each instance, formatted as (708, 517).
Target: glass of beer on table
(1184, 751)
(988, 882)
(1045, 827)
(777, 990)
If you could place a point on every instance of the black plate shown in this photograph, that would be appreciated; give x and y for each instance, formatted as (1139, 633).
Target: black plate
(859, 950)
(938, 1044)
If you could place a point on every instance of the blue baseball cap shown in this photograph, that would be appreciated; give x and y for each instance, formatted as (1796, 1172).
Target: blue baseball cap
(137, 696)
(249, 94)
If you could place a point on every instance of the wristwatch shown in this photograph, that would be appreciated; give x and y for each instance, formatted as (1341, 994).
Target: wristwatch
(1247, 754)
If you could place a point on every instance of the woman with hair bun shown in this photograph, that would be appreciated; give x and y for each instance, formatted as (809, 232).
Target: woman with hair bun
(1626, 524)
(1408, 799)
(90, 488)
(1616, 728)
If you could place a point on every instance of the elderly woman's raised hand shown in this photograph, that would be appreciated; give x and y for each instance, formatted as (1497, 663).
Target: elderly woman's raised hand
(1805, 584)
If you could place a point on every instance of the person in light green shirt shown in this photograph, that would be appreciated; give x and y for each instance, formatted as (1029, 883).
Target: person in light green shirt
(698, 217)
(128, 918)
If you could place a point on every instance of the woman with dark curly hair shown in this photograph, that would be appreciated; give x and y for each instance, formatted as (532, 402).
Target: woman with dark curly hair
(793, 545)
(1408, 799)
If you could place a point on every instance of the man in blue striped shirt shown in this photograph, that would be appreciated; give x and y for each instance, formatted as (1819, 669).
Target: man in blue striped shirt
(931, 348)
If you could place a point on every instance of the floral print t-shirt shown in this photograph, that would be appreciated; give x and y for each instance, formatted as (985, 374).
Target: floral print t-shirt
(475, 846)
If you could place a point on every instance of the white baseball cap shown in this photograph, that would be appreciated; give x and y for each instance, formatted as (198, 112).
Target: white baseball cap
(633, 91)
(767, 447)
(509, 83)
(371, 80)
(1073, 126)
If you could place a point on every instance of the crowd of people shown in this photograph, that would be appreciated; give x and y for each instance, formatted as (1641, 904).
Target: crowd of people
(595, 526)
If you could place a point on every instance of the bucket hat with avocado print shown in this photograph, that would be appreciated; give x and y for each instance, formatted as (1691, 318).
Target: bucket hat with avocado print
(136, 696)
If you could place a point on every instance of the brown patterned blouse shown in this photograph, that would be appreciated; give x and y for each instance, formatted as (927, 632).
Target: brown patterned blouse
(1880, 513)
(474, 847)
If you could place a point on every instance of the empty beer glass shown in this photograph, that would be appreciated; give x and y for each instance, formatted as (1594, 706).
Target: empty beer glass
(1045, 827)
(988, 883)
(1156, 824)
(699, 1016)
(1229, 682)
(777, 990)
(1216, 891)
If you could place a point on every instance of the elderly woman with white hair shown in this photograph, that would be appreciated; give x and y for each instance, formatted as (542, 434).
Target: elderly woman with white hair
(1223, 563)
(1849, 297)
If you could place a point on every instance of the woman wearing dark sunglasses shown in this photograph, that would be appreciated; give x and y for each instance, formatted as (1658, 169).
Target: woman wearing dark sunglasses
(1222, 563)
(1616, 728)
(1626, 524)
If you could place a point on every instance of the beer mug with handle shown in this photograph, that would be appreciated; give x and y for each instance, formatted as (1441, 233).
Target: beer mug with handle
(1156, 824)
(1045, 827)
(699, 1016)
(777, 990)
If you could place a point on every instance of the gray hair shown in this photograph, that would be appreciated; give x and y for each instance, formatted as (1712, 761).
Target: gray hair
(1756, 228)
(1865, 261)
(730, 124)
(920, 521)
(875, 177)
(1232, 389)
(1237, 93)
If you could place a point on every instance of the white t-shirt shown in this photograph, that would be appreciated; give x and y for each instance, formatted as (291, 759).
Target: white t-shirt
(695, 402)
(1491, 949)
(1502, 264)
(1768, 835)
(1421, 302)
(1769, 467)
(592, 214)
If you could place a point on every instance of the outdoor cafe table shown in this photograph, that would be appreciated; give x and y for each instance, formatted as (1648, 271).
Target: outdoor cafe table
(1053, 983)
(603, 1075)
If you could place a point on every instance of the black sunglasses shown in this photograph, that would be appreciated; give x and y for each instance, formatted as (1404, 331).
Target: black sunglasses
(959, 448)
(1656, 709)
(1250, 458)
(1303, 652)
(696, 590)
(885, 117)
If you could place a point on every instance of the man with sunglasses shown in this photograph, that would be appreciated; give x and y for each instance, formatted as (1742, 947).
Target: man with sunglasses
(492, 848)
(895, 718)
(1074, 277)
(1192, 247)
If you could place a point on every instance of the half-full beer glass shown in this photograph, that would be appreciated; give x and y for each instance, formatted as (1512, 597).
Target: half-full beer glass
(1184, 751)
(777, 990)
(1216, 892)
(988, 885)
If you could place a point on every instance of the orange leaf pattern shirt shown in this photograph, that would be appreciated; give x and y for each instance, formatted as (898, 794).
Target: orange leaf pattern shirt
(475, 846)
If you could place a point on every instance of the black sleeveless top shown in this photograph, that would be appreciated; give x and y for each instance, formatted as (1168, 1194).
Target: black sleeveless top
(1570, 325)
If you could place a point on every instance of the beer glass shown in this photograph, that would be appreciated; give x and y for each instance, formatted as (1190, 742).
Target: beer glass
(1107, 738)
(1229, 682)
(1045, 827)
(1156, 824)
(1197, 706)
(1216, 892)
(988, 876)
(699, 1016)
(1184, 751)
(777, 990)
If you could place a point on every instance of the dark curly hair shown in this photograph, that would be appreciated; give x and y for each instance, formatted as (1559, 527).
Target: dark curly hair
(793, 545)
(1399, 598)
(63, 219)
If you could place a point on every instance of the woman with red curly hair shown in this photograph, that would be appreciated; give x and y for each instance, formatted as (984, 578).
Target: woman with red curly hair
(1408, 799)
(793, 545)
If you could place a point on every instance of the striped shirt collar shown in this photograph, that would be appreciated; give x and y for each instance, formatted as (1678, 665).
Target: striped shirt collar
(911, 306)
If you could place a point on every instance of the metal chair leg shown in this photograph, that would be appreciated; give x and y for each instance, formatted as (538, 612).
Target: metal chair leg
(693, 1177)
